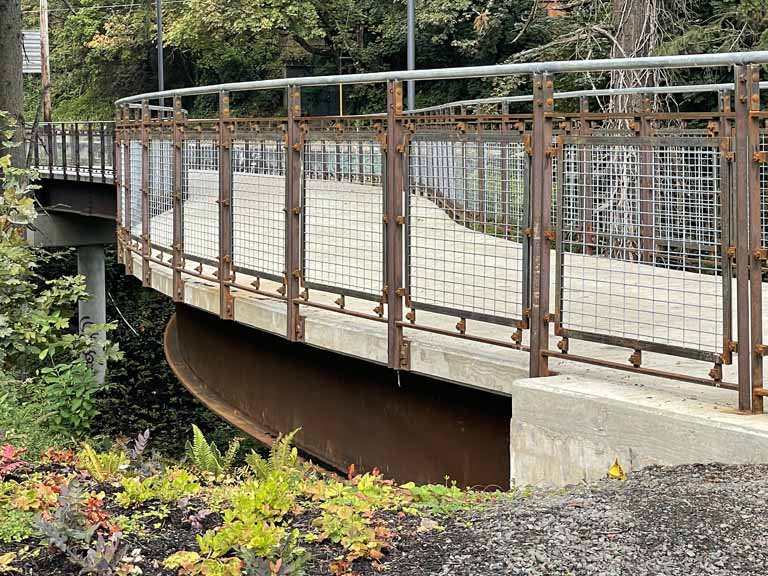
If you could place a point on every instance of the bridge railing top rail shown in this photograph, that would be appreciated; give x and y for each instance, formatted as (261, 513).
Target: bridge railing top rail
(558, 67)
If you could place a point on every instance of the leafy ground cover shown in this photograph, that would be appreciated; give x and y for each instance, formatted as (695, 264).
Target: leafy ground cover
(129, 511)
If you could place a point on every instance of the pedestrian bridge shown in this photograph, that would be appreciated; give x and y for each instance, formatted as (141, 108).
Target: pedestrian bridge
(520, 288)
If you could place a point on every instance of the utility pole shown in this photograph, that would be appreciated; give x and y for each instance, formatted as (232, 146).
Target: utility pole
(45, 71)
(160, 68)
(411, 58)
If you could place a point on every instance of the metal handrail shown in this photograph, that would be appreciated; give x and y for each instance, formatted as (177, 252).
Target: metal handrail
(594, 92)
(603, 65)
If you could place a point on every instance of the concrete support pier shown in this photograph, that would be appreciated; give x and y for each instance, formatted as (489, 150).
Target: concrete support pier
(90, 263)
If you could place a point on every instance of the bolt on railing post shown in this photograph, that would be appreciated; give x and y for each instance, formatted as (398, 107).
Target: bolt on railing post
(293, 181)
(178, 186)
(394, 187)
(541, 205)
(226, 303)
(146, 248)
(743, 177)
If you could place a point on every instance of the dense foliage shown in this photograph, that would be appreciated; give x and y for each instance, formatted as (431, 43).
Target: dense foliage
(129, 511)
(47, 386)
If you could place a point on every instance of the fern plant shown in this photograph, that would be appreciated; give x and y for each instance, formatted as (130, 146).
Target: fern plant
(101, 467)
(283, 456)
(206, 455)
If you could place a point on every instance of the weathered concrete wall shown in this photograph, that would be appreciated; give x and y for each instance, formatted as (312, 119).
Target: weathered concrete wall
(567, 429)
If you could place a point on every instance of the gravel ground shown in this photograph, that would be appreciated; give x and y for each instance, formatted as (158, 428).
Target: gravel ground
(685, 520)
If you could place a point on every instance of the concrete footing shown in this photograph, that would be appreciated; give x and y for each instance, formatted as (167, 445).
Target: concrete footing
(569, 429)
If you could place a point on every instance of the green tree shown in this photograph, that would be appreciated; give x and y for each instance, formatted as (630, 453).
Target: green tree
(46, 385)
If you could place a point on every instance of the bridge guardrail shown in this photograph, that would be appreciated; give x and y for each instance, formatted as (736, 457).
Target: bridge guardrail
(79, 151)
(645, 226)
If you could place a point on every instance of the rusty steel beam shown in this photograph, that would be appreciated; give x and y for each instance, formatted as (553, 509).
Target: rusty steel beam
(293, 209)
(177, 200)
(743, 258)
(146, 245)
(224, 129)
(752, 92)
(394, 219)
(349, 410)
(541, 204)
(726, 222)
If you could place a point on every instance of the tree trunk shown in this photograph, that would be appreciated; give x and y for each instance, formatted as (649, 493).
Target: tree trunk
(11, 87)
(634, 25)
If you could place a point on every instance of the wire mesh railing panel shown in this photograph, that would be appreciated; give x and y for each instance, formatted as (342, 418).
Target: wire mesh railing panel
(464, 251)
(343, 200)
(124, 208)
(161, 192)
(258, 205)
(200, 196)
(137, 217)
(639, 245)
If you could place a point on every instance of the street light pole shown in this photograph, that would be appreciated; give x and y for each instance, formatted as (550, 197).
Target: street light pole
(160, 71)
(411, 52)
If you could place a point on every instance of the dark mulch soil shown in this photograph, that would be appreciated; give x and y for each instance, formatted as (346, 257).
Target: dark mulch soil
(685, 520)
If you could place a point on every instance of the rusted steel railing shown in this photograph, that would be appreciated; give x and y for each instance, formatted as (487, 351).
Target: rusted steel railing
(539, 223)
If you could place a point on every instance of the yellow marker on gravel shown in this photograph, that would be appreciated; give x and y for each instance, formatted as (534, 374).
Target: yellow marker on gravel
(616, 471)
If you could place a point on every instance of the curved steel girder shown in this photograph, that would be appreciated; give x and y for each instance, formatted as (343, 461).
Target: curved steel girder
(94, 199)
(349, 411)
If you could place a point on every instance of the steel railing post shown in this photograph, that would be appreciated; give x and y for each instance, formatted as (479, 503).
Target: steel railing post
(398, 357)
(146, 248)
(505, 202)
(64, 149)
(118, 180)
(743, 258)
(226, 303)
(178, 185)
(293, 181)
(726, 222)
(541, 205)
(754, 158)
(646, 244)
(585, 177)
(103, 148)
(89, 135)
(127, 131)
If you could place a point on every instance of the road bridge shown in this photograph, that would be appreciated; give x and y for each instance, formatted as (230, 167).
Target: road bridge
(508, 290)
